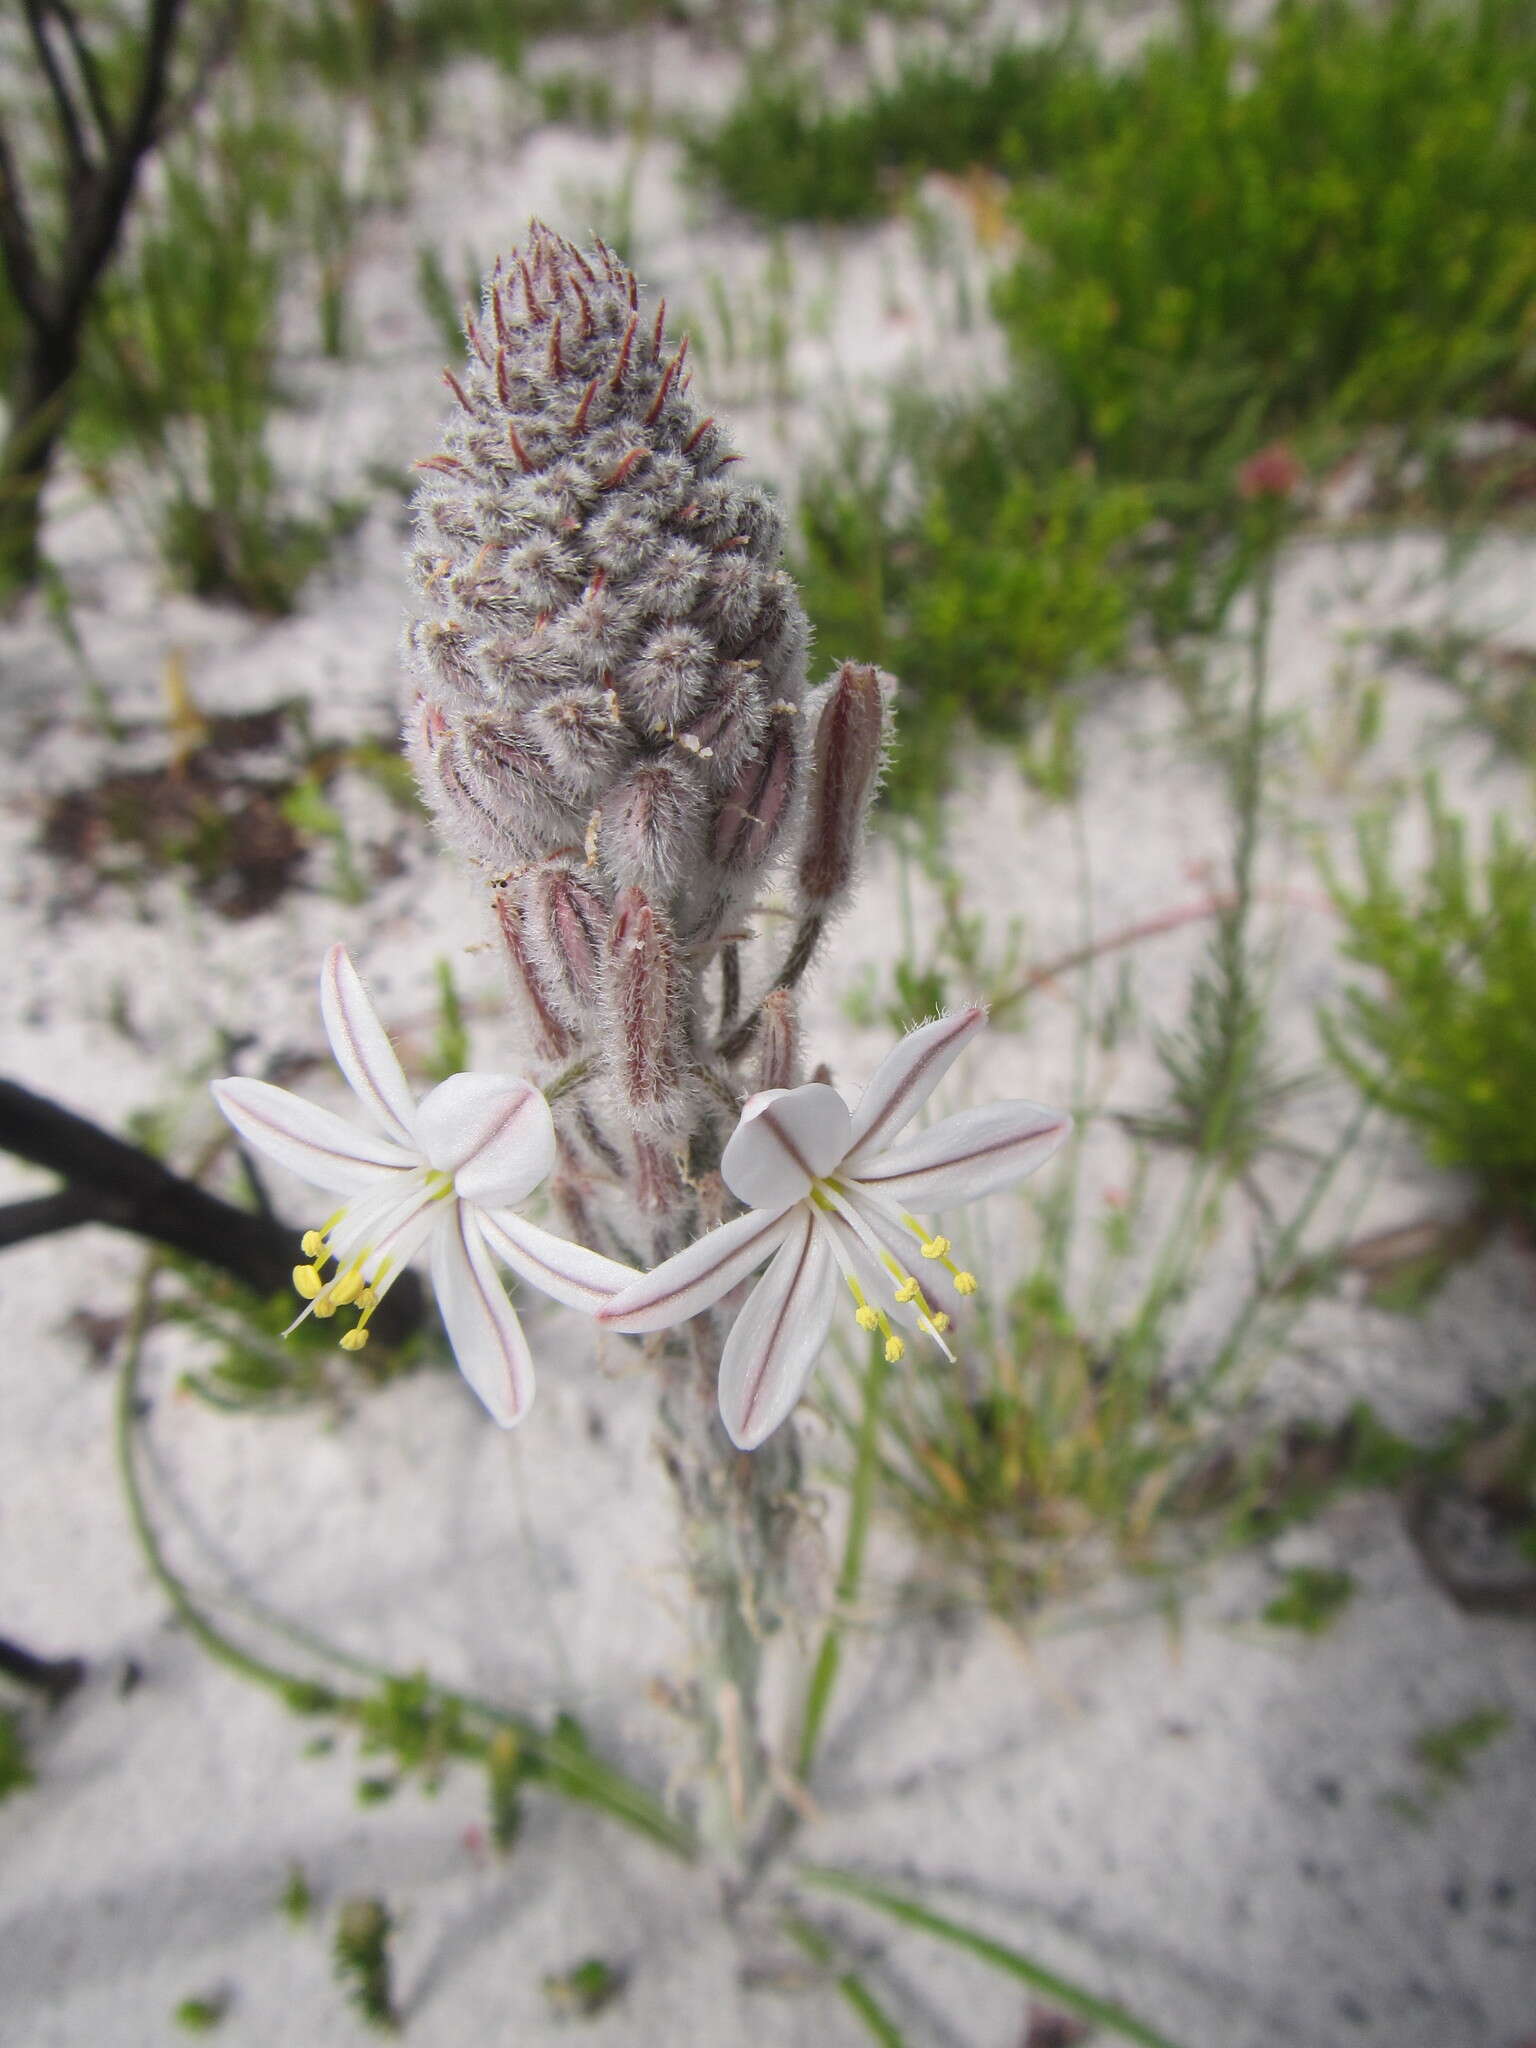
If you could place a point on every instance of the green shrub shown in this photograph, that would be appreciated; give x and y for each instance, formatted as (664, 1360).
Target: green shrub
(983, 579)
(1449, 1042)
(1332, 218)
(785, 152)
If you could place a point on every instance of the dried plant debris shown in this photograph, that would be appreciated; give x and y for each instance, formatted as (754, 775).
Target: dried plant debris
(237, 806)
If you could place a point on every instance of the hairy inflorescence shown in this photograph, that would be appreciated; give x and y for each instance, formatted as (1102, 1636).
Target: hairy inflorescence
(612, 723)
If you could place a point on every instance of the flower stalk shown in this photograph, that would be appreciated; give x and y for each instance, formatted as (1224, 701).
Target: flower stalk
(611, 724)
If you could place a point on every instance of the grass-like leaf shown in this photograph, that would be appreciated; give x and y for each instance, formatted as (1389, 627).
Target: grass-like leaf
(997, 1955)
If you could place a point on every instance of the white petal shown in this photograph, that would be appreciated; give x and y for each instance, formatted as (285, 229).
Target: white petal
(482, 1324)
(492, 1133)
(568, 1272)
(907, 1076)
(362, 1048)
(967, 1155)
(695, 1278)
(778, 1336)
(318, 1147)
(787, 1138)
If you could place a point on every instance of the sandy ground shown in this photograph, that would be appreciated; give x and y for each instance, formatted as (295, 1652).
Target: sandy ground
(1203, 1817)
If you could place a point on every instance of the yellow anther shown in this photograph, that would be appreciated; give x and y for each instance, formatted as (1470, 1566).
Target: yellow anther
(965, 1283)
(908, 1291)
(367, 1301)
(894, 1349)
(312, 1244)
(867, 1318)
(307, 1280)
(325, 1307)
(935, 1247)
(354, 1340)
(940, 1321)
(347, 1287)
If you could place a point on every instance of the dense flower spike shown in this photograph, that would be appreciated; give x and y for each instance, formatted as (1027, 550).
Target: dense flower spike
(830, 1192)
(603, 626)
(610, 720)
(441, 1175)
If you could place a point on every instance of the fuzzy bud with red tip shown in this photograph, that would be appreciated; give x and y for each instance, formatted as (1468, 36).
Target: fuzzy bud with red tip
(644, 1019)
(851, 719)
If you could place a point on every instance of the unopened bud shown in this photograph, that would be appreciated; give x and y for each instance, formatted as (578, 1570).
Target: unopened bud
(658, 1185)
(511, 780)
(551, 1039)
(651, 827)
(583, 738)
(845, 767)
(752, 816)
(643, 1010)
(778, 1040)
(451, 792)
(669, 678)
(729, 728)
(564, 923)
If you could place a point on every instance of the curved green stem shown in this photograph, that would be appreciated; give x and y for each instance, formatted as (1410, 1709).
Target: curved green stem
(1099, 2012)
(558, 1757)
(866, 1467)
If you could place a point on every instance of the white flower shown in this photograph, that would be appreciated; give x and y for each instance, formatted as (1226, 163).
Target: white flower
(830, 1194)
(439, 1174)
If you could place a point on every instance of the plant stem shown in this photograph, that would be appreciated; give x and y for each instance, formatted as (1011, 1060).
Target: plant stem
(1099, 2012)
(853, 1988)
(560, 1757)
(865, 1471)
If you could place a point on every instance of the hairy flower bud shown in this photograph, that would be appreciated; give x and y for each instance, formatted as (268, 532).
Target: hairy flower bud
(730, 727)
(583, 737)
(564, 926)
(845, 768)
(753, 814)
(658, 1184)
(778, 1040)
(651, 828)
(552, 1041)
(644, 1012)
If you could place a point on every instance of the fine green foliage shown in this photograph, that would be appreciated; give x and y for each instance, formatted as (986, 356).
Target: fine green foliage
(975, 570)
(1332, 217)
(361, 1958)
(297, 1900)
(203, 2014)
(1445, 1753)
(1446, 1038)
(876, 2021)
(1060, 1458)
(1313, 1599)
(181, 365)
(450, 1050)
(786, 152)
(585, 1991)
(1238, 241)
(15, 1767)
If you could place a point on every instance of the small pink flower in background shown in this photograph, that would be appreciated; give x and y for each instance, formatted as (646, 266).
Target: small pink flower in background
(440, 1175)
(1274, 472)
(830, 1192)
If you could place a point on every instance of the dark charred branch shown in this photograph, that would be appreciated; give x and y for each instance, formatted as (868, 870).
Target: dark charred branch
(102, 155)
(109, 1181)
(54, 1677)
